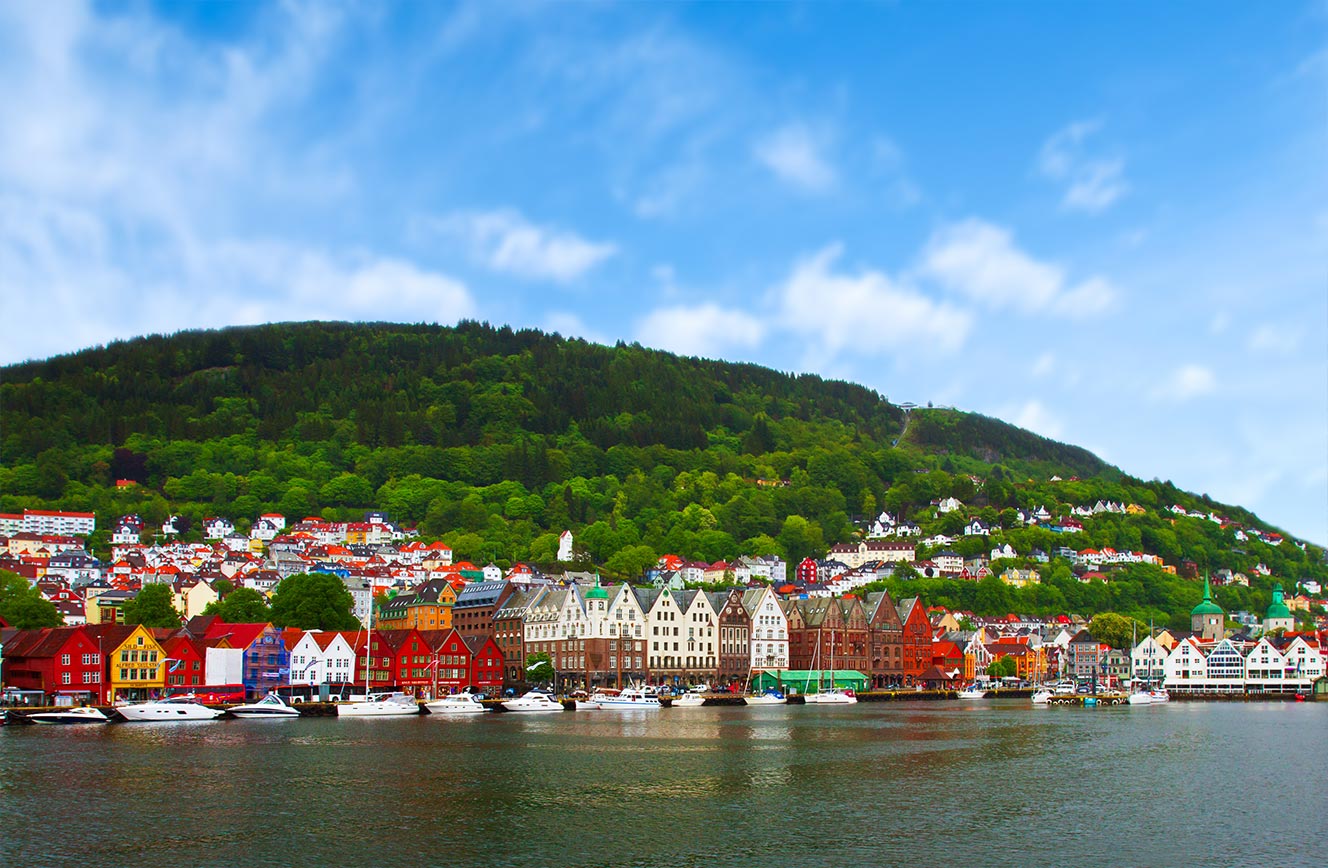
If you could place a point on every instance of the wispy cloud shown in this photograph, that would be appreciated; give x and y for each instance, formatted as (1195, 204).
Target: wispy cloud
(1093, 183)
(980, 260)
(795, 154)
(505, 241)
(1036, 418)
(701, 330)
(1186, 382)
(815, 296)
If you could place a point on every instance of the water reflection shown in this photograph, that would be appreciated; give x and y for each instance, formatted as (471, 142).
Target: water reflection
(712, 787)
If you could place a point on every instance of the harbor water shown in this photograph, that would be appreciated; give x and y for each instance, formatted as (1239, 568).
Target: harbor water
(937, 783)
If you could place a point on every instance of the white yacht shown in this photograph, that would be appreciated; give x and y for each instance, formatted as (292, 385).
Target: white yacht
(380, 705)
(1154, 696)
(831, 696)
(689, 700)
(770, 697)
(457, 703)
(1043, 696)
(532, 701)
(86, 714)
(174, 708)
(270, 707)
(973, 691)
(629, 697)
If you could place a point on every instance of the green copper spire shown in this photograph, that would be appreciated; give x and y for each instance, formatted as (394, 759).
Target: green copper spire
(1207, 607)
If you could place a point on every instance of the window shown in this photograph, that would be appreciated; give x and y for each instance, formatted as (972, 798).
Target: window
(64, 676)
(64, 660)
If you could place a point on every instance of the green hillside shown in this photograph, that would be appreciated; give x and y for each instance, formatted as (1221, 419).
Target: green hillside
(498, 439)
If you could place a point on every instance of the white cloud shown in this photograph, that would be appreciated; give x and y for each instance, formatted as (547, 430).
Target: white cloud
(795, 155)
(1035, 417)
(1092, 183)
(507, 242)
(980, 260)
(866, 313)
(1186, 382)
(1280, 340)
(702, 330)
(570, 325)
(1220, 323)
(1045, 364)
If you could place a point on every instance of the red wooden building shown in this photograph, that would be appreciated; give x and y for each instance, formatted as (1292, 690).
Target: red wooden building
(57, 661)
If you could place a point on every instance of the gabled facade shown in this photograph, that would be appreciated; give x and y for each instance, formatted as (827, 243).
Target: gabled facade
(769, 629)
(916, 639)
(734, 645)
(885, 641)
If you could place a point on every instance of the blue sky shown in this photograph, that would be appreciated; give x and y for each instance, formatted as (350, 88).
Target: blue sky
(1104, 222)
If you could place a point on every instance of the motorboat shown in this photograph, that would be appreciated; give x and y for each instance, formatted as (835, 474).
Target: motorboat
(770, 697)
(1155, 696)
(380, 705)
(457, 703)
(629, 697)
(171, 709)
(86, 714)
(532, 701)
(689, 700)
(270, 707)
(831, 696)
(972, 691)
(1043, 696)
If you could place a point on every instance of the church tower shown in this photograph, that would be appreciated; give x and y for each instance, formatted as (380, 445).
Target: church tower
(1207, 620)
(1279, 614)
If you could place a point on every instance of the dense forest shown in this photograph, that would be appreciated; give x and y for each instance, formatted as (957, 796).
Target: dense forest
(496, 440)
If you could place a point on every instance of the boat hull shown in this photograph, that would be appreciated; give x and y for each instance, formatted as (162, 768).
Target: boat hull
(375, 709)
(66, 718)
(168, 713)
(265, 714)
(764, 700)
(454, 709)
(829, 699)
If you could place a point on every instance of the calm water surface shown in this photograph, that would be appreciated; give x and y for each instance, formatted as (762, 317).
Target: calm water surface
(949, 784)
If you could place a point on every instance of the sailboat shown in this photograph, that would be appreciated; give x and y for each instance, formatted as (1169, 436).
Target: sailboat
(376, 704)
(831, 695)
(769, 697)
(1148, 694)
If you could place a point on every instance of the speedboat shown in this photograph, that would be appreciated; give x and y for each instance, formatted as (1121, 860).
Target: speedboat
(457, 703)
(380, 705)
(689, 700)
(972, 691)
(174, 708)
(770, 697)
(831, 696)
(532, 701)
(1043, 696)
(270, 707)
(629, 697)
(1156, 696)
(86, 714)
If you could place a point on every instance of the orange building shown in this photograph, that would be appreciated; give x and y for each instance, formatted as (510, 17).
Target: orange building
(427, 607)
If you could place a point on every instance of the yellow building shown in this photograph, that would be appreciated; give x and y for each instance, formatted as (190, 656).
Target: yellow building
(1017, 578)
(137, 670)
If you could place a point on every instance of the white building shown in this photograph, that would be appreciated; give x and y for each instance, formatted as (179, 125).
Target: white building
(768, 634)
(47, 523)
(565, 546)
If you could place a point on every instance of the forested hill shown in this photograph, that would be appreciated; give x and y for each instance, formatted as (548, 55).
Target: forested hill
(473, 385)
(497, 440)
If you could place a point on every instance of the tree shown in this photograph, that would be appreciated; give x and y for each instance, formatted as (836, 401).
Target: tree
(313, 601)
(23, 606)
(154, 606)
(1116, 630)
(539, 668)
(241, 606)
(1002, 667)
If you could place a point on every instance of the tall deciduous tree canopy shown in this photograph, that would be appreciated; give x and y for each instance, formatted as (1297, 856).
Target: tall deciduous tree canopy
(23, 606)
(241, 606)
(153, 606)
(313, 601)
